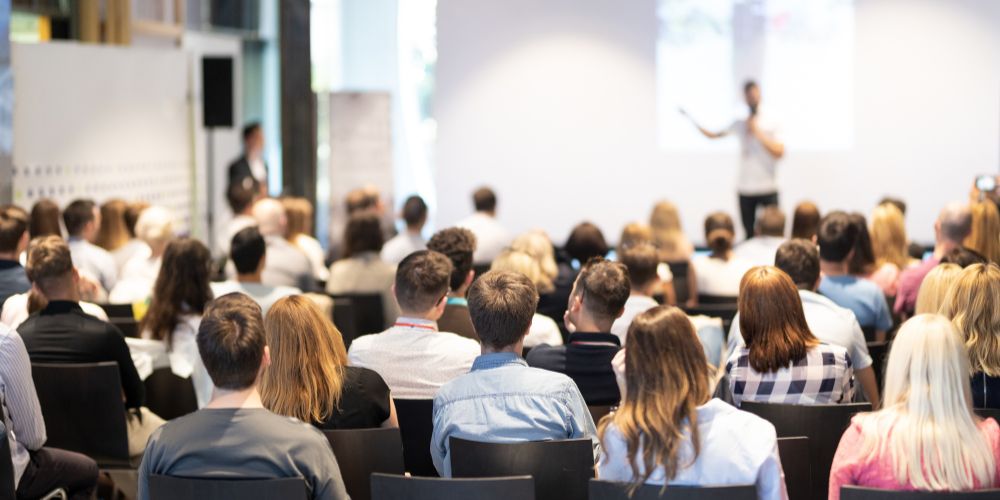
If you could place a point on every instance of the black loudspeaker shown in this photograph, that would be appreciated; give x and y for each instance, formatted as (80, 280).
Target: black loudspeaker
(217, 91)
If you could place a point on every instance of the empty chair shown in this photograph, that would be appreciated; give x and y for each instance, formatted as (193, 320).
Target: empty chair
(361, 452)
(367, 314)
(177, 488)
(390, 487)
(561, 469)
(794, 452)
(822, 424)
(83, 409)
(607, 490)
(859, 493)
(416, 425)
(169, 395)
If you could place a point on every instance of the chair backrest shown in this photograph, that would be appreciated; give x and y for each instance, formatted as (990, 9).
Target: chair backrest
(367, 314)
(118, 311)
(869, 332)
(416, 425)
(598, 412)
(128, 326)
(822, 424)
(858, 493)
(6, 466)
(168, 395)
(361, 452)
(181, 488)
(392, 487)
(607, 490)
(794, 453)
(83, 409)
(988, 413)
(343, 318)
(717, 300)
(682, 289)
(725, 311)
(561, 468)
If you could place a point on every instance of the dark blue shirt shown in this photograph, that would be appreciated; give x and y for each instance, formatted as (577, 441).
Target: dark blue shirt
(586, 358)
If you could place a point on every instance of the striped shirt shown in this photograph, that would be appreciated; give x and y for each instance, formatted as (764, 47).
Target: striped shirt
(22, 415)
(823, 376)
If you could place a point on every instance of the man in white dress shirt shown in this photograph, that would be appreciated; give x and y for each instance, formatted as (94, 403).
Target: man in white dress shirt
(412, 356)
(641, 261)
(410, 240)
(83, 221)
(769, 234)
(491, 237)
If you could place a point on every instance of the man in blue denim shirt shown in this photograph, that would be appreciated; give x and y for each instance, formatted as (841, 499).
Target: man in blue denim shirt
(502, 399)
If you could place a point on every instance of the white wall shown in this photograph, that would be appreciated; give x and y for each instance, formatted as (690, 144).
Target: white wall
(553, 103)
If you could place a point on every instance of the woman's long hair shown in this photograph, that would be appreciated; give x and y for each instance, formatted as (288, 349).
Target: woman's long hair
(934, 288)
(299, 212)
(306, 375)
(719, 234)
(44, 219)
(772, 320)
(666, 380)
(985, 235)
(113, 233)
(668, 236)
(862, 262)
(926, 425)
(888, 232)
(973, 305)
(182, 287)
(522, 262)
(537, 244)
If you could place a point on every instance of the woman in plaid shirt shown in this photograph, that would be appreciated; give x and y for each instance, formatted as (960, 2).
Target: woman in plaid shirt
(783, 362)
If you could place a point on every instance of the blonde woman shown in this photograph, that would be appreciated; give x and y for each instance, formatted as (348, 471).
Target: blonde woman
(934, 288)
(155, 229)
(543, 329)
(309, 378)
(299, 213)
(889, 244)
(926, 436)
(668, 429)
(973, 305)
(537, 244)
(551, 302)
(985, 236)
(675, 249)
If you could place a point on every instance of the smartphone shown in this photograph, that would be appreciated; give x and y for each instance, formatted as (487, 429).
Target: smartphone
(986, 183)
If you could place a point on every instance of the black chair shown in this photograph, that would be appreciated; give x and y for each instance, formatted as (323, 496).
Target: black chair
(682, 289)
(989, 413)
(704, 299)
(858, 493)
(128, 326)
(367, 314)
(607, 490)
(879, 352)
(598, 412)
(416, 425)
(869, 332)
(169, 395)
(561, 468)
(389, 487)
(822, 424)
(361, 452)
(83, 410)
(7, 491)
(343, 319)
(118, 311)
(180, 488)
(794, 453)
(724, 311)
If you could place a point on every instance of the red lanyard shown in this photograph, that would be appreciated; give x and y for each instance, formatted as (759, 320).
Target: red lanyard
(415, 325)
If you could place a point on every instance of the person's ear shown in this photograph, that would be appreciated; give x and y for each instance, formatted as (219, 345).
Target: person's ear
(265, 360)
(469, 277)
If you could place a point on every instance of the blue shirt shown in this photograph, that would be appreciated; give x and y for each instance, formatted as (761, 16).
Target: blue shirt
(502, 400)
(861, 296)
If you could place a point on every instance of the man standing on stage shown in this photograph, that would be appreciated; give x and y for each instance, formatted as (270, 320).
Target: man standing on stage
(249, 169)
(760, 150)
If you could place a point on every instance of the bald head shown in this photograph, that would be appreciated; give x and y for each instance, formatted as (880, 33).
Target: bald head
(955, 222)
(270, 215)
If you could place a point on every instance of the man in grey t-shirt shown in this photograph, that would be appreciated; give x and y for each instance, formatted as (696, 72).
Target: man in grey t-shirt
(235, 436)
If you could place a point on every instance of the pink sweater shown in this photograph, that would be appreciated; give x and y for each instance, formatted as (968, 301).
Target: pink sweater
(851, 468)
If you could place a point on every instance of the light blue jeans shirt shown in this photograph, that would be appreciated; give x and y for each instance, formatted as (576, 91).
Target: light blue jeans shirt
(503, 400)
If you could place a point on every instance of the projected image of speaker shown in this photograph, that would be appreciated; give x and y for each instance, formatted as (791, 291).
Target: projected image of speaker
(217, 91)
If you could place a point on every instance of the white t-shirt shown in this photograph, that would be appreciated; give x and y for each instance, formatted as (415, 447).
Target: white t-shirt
(757, 165)
(264, 295)
(634, 306)
(759, 250)
(720, 277)
(491, 237)
(15, 310)
(401, 245)
(543, 330)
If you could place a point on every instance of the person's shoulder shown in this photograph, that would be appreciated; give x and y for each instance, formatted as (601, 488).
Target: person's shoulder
(545, 354)
(543, 379)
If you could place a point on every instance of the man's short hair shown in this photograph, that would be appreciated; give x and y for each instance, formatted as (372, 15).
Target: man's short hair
(231, 341)
(13, 225)
(458, 244)
(249, 129)
(963, 257)
(247, 249)
(641, 261)
(604, 286)
(484, 199)
(501, 305)
(49, 262)
(422, 280)
(77, 215)
(414, 211)
(240, 197)
(955, 221)
(771, 221)
(799, 259)
(837, 237)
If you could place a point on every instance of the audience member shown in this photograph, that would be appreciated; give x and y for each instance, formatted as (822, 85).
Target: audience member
(63, 333)
(361, 270)
(668, 235)
(984, 236)
(951, 228)
(585, 242)
(248, 251)
(973, 305)
(155, 228)
(364, 199)
(805, 221)
(934, 289)
(635, 233)
(309, 378)
(83, 222)
(915, 250)
(719, 273)
(168, 329)
(414, 214)
(459, 245)
(597, 300)
(13, 242)
(536, 405)
(888, 236)
(663, 367)
(135, 246)
(829, 322)
(769, 234)
(412, 356)
(287, 265)
(641, 261)
(300, 234)
(862, 262)
(551, 302)
(926, 436)
(235, 436)
(37, 470)
(491, 237)
(838, 238)
(18, 307)
(241, 201)
(783, 362)
(113, 233)
(543, 329)
(45, 217)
